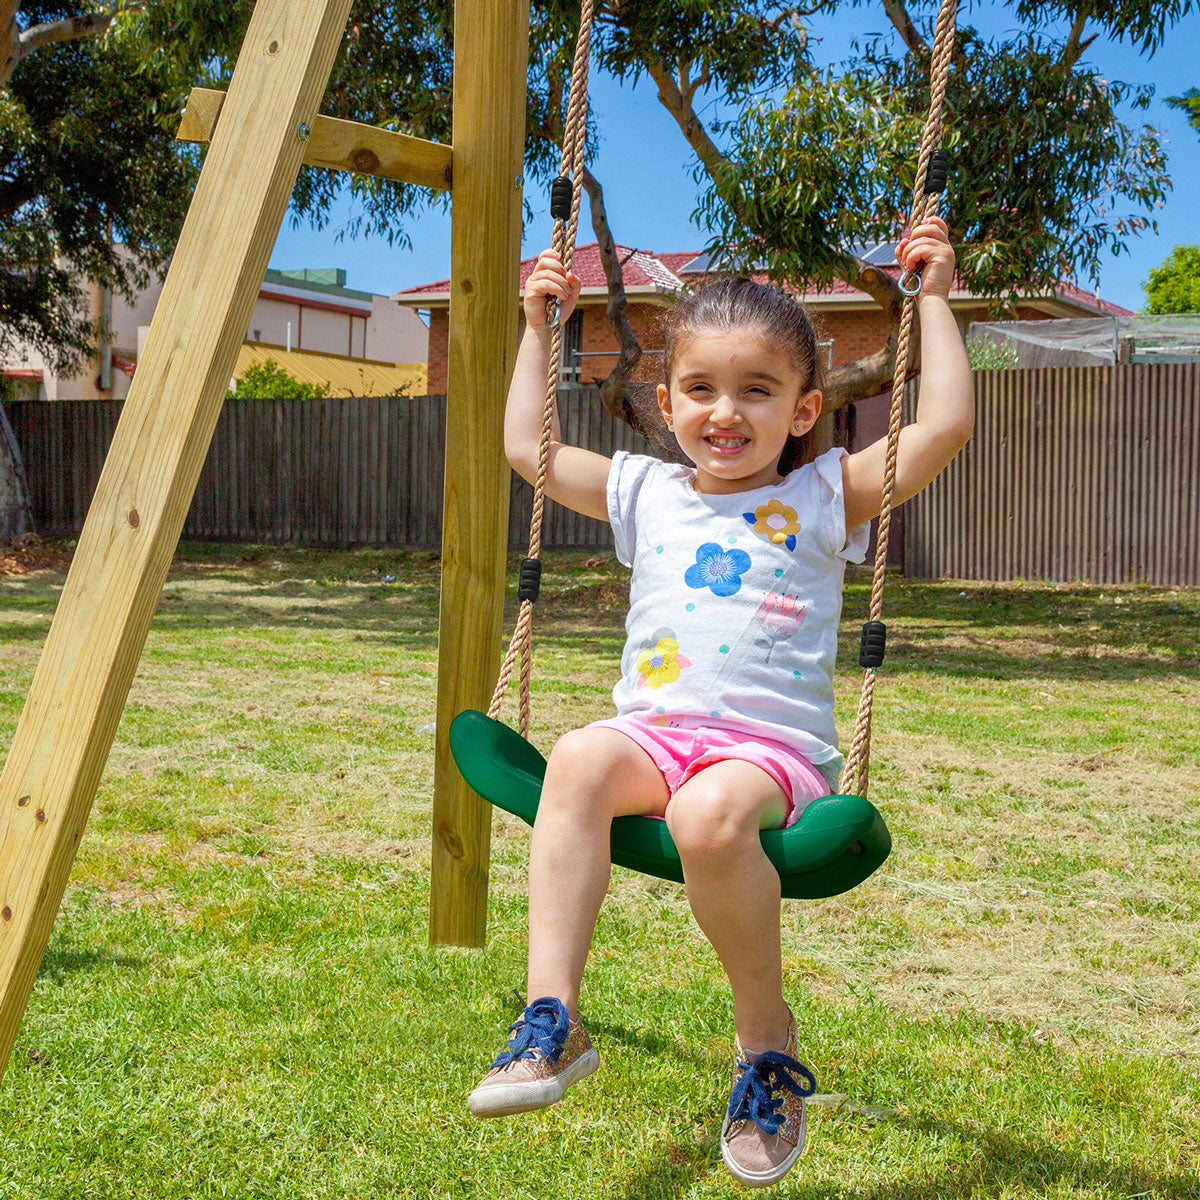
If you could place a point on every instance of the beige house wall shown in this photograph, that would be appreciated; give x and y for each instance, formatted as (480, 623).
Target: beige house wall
(385, 332)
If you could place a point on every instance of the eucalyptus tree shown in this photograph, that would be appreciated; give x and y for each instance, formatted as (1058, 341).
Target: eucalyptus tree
(1190, 103)
(797, 160)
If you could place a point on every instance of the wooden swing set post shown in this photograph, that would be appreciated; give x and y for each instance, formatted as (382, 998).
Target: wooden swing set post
(489, 140)
(82, 681)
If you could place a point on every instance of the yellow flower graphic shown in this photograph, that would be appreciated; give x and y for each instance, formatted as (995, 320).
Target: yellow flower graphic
(660, 665)
(776, 521)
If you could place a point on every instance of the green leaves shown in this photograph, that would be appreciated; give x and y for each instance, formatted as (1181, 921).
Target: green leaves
(269, 381)
(1045, 175)
(1190, 103)
(823, 167)
(1174, 285)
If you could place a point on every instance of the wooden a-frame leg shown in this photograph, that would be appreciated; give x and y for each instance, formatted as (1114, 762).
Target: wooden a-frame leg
(491, 56)
(81, 683)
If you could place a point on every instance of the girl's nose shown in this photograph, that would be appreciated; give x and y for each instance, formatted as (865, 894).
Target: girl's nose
(724, 411)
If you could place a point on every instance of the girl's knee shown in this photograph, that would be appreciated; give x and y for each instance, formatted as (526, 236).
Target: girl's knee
(709, 820)
(583, 768)
(584, 754)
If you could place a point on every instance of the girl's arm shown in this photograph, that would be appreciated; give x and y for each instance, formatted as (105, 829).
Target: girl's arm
(946, 401)
(574, 476)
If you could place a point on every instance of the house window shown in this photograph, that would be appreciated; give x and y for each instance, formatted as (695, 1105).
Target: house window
(570, 371)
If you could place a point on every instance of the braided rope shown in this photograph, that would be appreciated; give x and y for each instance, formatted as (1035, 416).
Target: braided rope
(854, 779)
(574, 138)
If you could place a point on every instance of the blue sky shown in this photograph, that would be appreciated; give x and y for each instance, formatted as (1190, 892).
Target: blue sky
(646, 169)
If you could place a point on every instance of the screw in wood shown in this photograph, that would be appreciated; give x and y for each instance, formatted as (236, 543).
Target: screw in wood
(303, 131)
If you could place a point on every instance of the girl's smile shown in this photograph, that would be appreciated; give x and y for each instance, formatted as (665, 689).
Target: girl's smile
(732, 403)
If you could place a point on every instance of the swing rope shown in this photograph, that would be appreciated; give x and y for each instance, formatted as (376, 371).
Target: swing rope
(566, 224)
(854, 779)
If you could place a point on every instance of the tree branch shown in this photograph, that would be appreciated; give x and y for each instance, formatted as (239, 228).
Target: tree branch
(871, 374)
(680, 107)
(68, 29)
(898, 15)
(614, 388)
(14, 195)
(12, 38)
(1076, 44)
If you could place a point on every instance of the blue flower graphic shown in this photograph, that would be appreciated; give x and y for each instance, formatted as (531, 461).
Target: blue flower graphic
(718, 569)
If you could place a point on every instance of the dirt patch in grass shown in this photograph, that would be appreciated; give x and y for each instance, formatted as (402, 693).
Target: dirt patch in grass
(30, 556)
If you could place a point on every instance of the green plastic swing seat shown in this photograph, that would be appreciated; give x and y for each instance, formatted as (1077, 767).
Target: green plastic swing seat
(837, 842)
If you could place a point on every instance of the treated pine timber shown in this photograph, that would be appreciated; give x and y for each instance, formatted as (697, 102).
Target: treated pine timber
(339, 145)
(82, 680)
(491, 37)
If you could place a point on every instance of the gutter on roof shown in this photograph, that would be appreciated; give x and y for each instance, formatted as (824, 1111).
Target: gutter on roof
(653, 292)
(325, 300)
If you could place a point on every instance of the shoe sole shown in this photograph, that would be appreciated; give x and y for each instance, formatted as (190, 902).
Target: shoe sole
(503, 1101)
(763, 1178)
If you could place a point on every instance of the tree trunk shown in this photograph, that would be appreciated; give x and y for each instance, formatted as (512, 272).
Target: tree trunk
(866, 376)
(15, 515)
(635, 404)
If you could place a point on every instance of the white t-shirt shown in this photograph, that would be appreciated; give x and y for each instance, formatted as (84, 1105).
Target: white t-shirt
(734, 600)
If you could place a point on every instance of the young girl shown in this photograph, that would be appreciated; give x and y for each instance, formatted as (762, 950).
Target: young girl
(725, 705)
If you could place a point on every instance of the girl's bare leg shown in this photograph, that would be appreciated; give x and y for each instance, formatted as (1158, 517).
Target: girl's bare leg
(593, 776)
(715, 819)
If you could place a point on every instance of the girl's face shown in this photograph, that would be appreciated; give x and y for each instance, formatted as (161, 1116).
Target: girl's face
(732, 403)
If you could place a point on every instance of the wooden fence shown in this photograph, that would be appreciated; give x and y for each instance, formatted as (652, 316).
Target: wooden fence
(337, 472)
(1089, 473)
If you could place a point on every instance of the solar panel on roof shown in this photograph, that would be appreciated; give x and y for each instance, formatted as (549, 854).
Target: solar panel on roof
(879, 254)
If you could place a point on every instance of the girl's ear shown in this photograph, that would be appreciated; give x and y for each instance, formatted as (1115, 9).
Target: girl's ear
(664, 403)
(808, 409)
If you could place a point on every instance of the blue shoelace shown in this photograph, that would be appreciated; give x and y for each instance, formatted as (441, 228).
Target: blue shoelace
(543, 1026)
(759, 1091)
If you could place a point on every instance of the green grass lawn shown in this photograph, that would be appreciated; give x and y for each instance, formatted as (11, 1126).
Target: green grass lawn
(238, 999)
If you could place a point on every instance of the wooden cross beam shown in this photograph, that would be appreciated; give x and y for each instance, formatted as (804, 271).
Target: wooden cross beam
(82, 680)
(339, 145)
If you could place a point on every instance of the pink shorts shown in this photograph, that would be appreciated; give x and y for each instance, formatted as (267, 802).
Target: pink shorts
(681, 753)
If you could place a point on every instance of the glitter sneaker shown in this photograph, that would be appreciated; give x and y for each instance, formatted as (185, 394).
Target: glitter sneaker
(546, 1053)
(764, 1129)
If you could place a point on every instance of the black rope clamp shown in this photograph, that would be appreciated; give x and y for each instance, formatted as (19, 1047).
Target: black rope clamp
(562, 193)
(936, 173)
(870, 649)
(530, 582)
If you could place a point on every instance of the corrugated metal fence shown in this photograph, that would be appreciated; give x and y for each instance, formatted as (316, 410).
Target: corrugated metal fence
(338, 472)
(1088, 473)
(1073, 473)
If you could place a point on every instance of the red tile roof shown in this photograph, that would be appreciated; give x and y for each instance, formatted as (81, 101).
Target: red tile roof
(641, 269)
(645, 271)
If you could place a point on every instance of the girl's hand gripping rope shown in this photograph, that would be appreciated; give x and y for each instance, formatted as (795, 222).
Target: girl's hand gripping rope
(550, 281)
(927, 251)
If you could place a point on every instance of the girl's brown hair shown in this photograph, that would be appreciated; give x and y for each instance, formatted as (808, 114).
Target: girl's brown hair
(740, 303)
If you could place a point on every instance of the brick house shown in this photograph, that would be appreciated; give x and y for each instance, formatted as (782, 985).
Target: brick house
(848, 321)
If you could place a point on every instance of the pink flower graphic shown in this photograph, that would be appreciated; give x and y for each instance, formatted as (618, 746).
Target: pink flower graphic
(780, 617)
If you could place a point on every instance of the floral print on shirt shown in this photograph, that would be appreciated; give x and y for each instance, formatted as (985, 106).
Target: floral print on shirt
(718, 569)
(660, 665)
(780, 617)
(776, 522)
